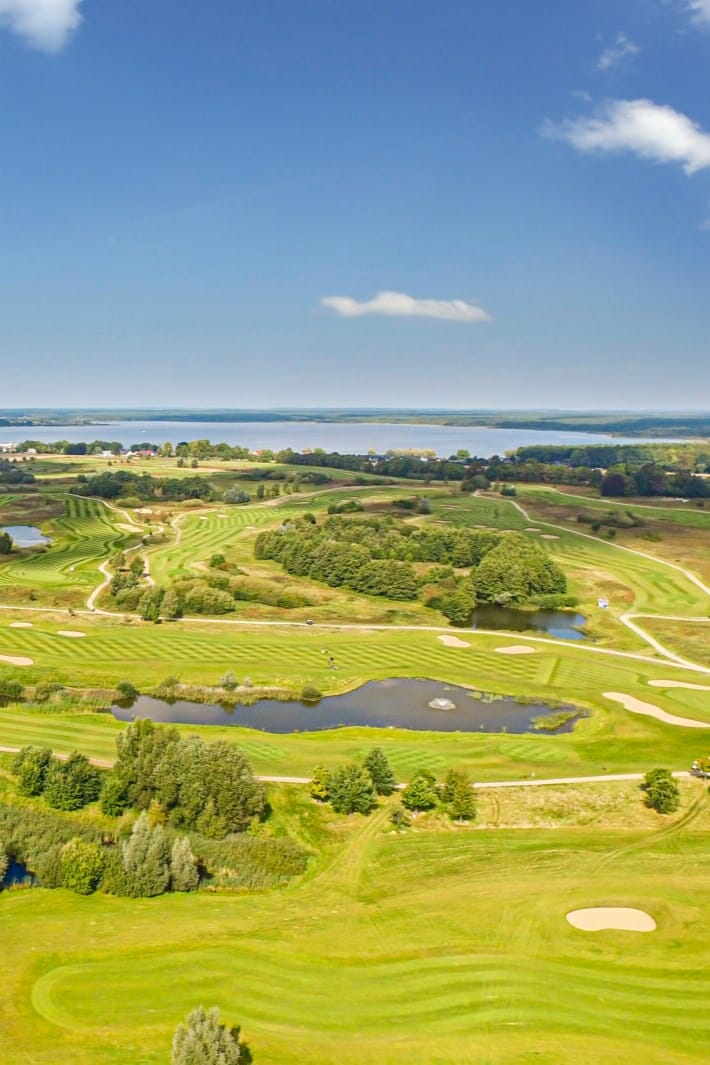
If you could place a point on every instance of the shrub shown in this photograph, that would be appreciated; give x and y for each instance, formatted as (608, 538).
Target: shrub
(662, 792)
(310, 694)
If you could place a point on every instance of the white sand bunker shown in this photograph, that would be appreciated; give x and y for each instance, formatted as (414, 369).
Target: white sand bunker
(679, 684)
(517, 649)
(72, 634)
(20, 624)
(531, 528)
(16, 660)
(619, 918)
(637, 706)
(453, 641)
(549, 536)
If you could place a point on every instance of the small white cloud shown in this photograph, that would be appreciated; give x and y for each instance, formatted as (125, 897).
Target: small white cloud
(399, 305)
(43, 24)
(648, 130)
(620, 49)
(700, 11)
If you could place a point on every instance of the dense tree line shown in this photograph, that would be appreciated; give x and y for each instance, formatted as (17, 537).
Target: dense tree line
(112, 484)
(405, 466)
(12, 473)
(376, 556)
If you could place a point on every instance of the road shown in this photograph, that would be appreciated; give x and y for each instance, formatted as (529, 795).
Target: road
(527, 782)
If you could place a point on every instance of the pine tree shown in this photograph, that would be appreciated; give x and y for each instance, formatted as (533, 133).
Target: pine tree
(320, 784)
(145, 860)
(202, 1040)
(352, 790)
(420, 793)
(183, 870)
(381, 772)
(460, 797)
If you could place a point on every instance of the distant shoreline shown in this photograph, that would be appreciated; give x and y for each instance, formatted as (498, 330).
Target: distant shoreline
(690, 425)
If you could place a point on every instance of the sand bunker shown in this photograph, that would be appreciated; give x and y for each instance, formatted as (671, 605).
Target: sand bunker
(518, 649)
(71, 633)
(20, 624)
(679, 684)
(453, 641)
(549, 536)
(15, 660)
(531, 528)
(620, 918)
(637, 706)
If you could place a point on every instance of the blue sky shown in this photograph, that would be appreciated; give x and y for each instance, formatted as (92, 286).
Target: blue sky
(301, 202)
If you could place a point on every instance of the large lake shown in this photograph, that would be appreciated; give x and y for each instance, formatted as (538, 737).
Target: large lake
(353, 437)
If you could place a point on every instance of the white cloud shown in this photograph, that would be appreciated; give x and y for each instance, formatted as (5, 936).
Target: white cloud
(619, 50)
(399, 305)
(43, 24)
(640, 126)
(700, 10)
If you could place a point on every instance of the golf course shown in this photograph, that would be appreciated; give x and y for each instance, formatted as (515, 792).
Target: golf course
(438, 941)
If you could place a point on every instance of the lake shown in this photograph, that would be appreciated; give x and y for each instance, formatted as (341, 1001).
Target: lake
(398, 703)
(561, 624)
(25, 535)
(352, 438)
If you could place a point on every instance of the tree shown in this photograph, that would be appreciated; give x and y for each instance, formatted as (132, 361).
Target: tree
(6, 543)
(137, 566)
(662, 791)
(352, 791)
(420, 793)
(459, 796)
(82, 866)
(320, 784)
(380, 771)
(236, 495)
(171, 607)
(184, 875)
(229, 682)
(4, 862)
(459, 607)
(202, 1040)
(30, 767)
(126, 690)
(400, 819)
(145, 860)
(73, 784)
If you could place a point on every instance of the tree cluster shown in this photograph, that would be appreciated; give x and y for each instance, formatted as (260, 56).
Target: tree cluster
(12, 473)
(208, 787)
(68, 784)
(114, 484)
(375, 556)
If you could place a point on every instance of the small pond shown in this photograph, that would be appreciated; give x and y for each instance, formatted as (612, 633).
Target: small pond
(378, 704)
(562, 624)
(17, 873)
(25, 535)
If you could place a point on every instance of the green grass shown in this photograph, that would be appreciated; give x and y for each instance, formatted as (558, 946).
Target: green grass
(86, 535)
(437, 946)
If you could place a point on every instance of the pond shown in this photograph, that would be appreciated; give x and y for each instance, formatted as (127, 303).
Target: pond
(16, 874)
(25, 535)
(377, 704)
(561, 624)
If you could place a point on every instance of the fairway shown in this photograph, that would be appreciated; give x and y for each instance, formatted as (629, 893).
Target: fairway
(448, 946)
